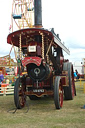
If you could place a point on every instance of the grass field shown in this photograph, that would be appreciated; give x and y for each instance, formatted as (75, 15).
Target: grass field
(42, 113)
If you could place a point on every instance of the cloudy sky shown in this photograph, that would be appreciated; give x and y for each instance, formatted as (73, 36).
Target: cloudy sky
(67, 17)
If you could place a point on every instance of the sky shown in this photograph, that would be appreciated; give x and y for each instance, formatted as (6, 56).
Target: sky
(67, 17)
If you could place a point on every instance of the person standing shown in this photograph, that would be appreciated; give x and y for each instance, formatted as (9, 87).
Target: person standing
(1, 78)
(77, 74)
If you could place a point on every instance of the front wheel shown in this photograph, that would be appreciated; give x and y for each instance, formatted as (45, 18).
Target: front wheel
(19, 93)
(58, 93)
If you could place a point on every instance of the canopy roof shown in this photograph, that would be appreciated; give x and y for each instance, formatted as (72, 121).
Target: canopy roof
(27, 35)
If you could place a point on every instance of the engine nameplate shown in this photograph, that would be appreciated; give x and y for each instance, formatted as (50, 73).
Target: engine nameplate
(38, 90)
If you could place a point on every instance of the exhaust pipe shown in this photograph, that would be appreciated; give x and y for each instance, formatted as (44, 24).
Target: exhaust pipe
(38, 13)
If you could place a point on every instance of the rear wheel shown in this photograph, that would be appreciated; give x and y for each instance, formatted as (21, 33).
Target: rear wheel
(58, 93)
(19, 93)
(70, 90)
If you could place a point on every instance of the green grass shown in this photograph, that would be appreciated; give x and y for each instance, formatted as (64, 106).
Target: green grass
(42, 113)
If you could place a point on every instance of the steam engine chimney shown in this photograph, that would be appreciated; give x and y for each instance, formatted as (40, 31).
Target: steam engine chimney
(38, 13)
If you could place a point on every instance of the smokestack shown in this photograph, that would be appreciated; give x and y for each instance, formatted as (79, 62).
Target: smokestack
(38, 13)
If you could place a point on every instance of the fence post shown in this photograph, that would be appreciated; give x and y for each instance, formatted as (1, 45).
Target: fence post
(4, 91)
(80, 81)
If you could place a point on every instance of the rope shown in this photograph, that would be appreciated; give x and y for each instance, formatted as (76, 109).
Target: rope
(14, 51)
(10, 50)
(13, 110)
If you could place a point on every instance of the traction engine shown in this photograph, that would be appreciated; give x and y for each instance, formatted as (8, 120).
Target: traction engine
(47, 73)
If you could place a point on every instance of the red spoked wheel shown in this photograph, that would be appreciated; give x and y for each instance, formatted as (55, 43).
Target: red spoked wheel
(19, 93)
(58, 93)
